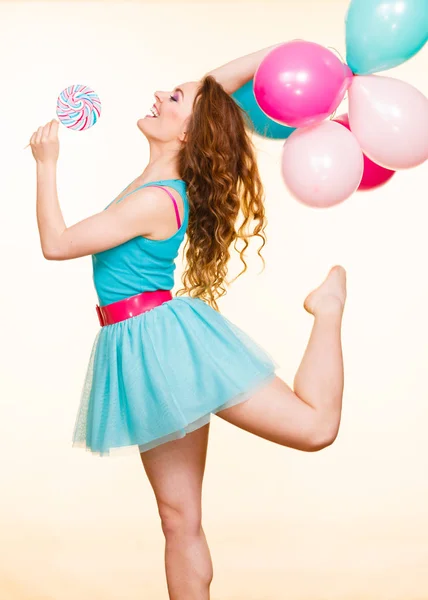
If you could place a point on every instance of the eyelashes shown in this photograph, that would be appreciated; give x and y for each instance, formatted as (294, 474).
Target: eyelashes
(173, 98)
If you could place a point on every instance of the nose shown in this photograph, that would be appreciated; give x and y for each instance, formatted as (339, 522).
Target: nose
(160, 95)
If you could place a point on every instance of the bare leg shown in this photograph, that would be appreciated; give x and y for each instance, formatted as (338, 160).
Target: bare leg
(307, 418)
(175, 470)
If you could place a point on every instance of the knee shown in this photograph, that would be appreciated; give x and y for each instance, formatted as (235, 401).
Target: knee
(179, 520)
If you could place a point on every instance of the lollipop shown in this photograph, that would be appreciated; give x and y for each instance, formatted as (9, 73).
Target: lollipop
(78, 107)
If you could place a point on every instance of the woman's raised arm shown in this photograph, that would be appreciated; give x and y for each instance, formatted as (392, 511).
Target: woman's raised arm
(239, 71)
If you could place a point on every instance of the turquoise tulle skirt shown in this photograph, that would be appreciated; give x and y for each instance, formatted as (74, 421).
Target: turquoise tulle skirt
(155, 377)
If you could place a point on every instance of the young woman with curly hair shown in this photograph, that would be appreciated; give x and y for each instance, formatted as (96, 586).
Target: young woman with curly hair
(162, 364)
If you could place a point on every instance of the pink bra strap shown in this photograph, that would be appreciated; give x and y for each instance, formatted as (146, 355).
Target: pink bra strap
(177, 214)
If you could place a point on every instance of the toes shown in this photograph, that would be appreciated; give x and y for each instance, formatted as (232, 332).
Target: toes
(339, 270)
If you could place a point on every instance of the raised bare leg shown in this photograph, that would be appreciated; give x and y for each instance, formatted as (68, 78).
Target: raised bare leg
(175, 470)
(307, 418)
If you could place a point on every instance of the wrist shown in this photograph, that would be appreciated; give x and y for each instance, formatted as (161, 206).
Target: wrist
(46, 166)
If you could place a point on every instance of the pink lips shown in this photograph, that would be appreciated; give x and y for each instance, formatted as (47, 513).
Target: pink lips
(150, 115)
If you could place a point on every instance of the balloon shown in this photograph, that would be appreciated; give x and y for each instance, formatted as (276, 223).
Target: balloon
(373, 175)
(390, 120)
(300, 83)
(381, 34)
(322, 165)
(261, 123)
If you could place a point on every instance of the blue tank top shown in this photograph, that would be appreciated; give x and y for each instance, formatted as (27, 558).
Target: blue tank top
(140, 264)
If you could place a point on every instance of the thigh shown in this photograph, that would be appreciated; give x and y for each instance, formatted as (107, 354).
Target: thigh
(275, 413)
(176, 470)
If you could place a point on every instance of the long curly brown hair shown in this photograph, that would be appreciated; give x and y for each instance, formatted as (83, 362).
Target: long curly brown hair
(218, 164)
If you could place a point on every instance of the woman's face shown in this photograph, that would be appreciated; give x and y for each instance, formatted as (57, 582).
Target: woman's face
(170, 113)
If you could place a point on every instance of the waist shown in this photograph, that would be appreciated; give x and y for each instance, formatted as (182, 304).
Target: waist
(112, 284)
(131, 307)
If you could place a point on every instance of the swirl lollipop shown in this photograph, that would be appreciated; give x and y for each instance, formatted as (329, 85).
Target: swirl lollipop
(78, 107)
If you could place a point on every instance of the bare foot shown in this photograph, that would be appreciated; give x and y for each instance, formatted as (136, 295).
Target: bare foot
(330, 296)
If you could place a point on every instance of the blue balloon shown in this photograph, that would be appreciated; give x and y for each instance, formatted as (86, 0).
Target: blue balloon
(381, 34)
(261, 123)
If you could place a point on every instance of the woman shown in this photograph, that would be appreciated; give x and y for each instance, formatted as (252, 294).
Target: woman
(161, 365)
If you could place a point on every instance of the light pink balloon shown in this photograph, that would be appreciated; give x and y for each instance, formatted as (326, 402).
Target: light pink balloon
(373, 175)
(322, 165)
(390, 120)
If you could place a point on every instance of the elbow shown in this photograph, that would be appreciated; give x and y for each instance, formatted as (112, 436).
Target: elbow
(320, 443)
(55, 247)
(49, 253)
(323, 437)
(52, 254)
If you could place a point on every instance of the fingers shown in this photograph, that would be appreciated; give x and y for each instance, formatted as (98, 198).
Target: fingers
(53, 133)
(39, 134)
(44, 142)
(48, 131)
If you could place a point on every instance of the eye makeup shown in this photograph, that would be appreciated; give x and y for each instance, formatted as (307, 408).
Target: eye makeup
(174, 96)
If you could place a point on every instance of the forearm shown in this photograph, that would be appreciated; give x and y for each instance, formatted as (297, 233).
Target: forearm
(239, 71)
(49, 216)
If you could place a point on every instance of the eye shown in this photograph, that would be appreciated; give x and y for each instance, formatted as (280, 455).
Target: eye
(173, 97)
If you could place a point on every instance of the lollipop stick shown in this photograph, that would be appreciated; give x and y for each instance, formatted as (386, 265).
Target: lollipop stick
(26, 146)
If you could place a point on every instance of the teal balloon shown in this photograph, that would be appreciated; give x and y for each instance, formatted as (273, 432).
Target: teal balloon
(381, 34)
(260, 122)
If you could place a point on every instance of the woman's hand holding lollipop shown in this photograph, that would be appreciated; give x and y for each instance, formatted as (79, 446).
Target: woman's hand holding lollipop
(45, 143)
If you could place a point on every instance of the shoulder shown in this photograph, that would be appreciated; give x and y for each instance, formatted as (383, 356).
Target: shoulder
(159, 198)
(152, 202)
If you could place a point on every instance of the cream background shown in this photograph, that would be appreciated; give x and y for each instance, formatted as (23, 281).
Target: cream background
(348, 523)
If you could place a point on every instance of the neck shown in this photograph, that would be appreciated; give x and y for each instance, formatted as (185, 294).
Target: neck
(162, 163)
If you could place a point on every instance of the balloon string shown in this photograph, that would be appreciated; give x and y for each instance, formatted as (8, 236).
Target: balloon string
(338, 53)
(333, 115)
(343, 60)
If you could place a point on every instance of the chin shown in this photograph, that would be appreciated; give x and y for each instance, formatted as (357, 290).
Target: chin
(143, 126)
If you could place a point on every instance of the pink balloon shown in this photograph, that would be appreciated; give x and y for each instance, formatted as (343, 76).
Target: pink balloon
(390, 120)
(374, 175)
(322, 165)
(300, 83)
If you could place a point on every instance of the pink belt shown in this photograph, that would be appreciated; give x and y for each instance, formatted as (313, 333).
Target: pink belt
(131, 307)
